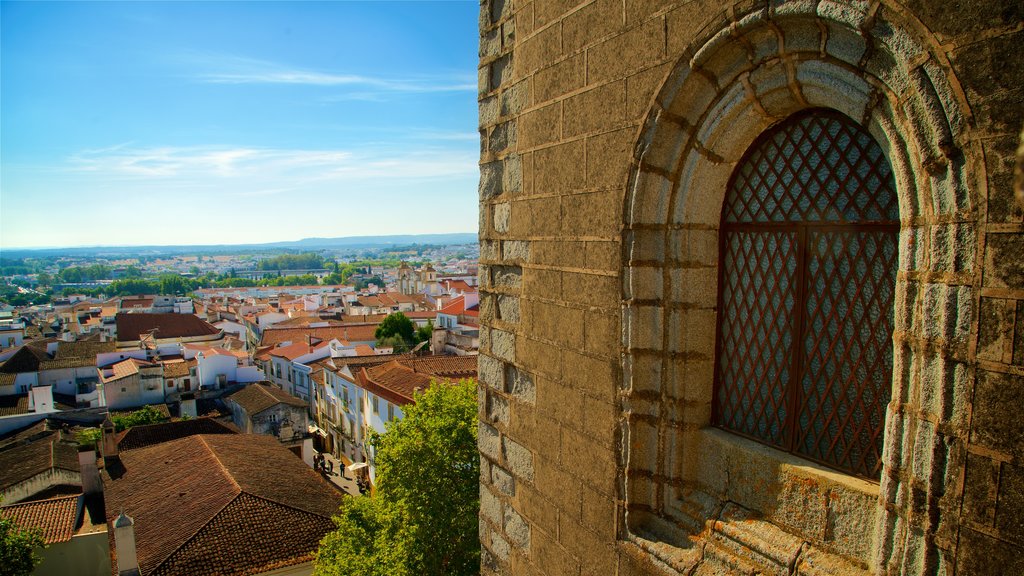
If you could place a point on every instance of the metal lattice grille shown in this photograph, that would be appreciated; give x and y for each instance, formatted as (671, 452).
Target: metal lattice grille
(808, 269)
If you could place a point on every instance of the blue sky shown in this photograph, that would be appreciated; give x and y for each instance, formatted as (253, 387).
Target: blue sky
(129, 123)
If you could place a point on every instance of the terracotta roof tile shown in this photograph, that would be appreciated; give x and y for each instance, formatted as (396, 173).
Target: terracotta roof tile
(347, 333)
(131, 327)
(12, 405)
(229, 504)
(399, 379)
(20, 463)
(297, 349)
(55, 518)
(256, 398)
(138, 437)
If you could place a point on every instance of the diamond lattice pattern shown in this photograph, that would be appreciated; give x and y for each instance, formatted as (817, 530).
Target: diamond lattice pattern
(808, 263)
(818, 167)
(847, 348)
(758, 289)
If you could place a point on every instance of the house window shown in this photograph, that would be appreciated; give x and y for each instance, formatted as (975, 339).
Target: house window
(391, 412)
(373, 401)
(808, 254)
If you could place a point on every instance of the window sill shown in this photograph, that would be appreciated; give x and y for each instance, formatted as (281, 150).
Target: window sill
(827, 508)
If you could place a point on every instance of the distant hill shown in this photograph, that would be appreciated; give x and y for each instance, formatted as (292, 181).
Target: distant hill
(304, 244)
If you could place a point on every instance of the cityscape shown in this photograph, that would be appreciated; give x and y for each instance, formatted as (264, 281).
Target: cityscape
(511, 288)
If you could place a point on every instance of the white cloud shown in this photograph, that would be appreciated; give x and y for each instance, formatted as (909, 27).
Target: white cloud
(277, 170)
(238, 70)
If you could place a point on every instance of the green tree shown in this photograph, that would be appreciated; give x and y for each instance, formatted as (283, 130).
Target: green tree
(423, 333)
(17, 548)
(423, 517)
(396, 325)
(141, 417)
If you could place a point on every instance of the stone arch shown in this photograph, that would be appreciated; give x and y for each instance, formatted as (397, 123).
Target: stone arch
(876, 64)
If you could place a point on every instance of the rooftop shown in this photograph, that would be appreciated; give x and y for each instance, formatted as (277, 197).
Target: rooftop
(399, 380)
(256, 398)
(143, 436)
(228, 504)
(55, 518)
(131, 327)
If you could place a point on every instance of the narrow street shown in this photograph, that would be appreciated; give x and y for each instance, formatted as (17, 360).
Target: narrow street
(340, 476)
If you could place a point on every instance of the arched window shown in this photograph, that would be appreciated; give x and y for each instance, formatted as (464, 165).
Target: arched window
(808, 255)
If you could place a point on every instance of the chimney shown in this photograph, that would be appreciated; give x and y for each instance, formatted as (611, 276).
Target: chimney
(91, 484)
(109, 444)
(124, 544)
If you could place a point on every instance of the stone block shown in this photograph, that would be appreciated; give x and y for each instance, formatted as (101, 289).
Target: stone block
(540, 126)
(508, 308)
(603, 255)
(491, 372)
(502, 217)
(559, 168)
(559, 79)
(502, 480)
(590, 23)
(1010, 509)
(539, 512)
(562, 488)
(489, 441)
(1004, 268)
(996, 422)
(561, 402)
(979, 554)
(981, 480)
(514, 99)
(489, 110)
(592, 289)
(640, 92)
(503, 344)
(608, 157)
(520, 384)
(490, 506)
(592, 214)
(601, 333)
(515, 251)
(500, 71)
(516, 529)
(518, 458)
(542, 283)
(490, 179)
(595, 110)
(995, 332)
(537, 51)
(506, 276)
(497, 409)
(627, 53)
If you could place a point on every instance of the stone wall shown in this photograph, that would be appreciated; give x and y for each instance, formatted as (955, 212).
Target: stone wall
(608, 131)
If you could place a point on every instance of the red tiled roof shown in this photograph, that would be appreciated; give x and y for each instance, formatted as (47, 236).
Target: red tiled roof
(131, 327)
(178, 368)
(348, 333)
(457, 286)
(55, 518)
(297, 349)
(454, 307)
(125, 368)
(398, 380)
(229, 504)
(12, 405)
(256, 398)
(20, 463)
(142, 436)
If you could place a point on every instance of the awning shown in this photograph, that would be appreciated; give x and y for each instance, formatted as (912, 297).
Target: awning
(357, 466)
(313, 429)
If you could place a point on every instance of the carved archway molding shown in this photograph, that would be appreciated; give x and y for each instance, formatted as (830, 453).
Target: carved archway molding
(679, 478)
